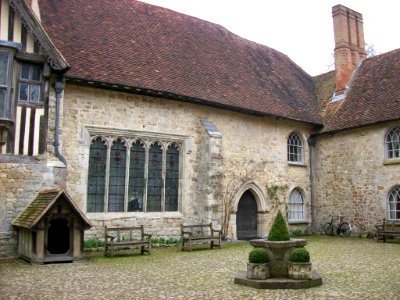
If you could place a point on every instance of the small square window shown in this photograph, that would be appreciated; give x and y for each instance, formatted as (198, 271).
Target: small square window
(23, 91)
(25, 71)
(29, 85)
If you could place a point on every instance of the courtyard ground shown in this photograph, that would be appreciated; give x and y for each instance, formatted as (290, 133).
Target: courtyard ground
(351, 269)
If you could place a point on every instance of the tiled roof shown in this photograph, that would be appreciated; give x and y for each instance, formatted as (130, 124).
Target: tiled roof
(134, 44)
(38, 207)
(373, 96)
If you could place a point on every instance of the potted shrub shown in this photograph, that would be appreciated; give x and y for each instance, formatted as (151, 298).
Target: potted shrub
(299, 266)
(257, 267)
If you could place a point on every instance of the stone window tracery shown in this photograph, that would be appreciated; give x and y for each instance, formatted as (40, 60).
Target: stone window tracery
(295, 149)
(296, 206)
(394, 203)
(392, 143)
(133, 175)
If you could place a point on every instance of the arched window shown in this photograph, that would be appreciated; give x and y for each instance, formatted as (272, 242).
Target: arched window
(296, 206)
(136, 177)
(96, 176)
(295, 149)
(394, 203)
(392, 143)
(155, 186)
(172, 178)
(116, 189)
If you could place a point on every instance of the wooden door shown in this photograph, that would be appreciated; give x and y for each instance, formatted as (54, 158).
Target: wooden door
(246, 218)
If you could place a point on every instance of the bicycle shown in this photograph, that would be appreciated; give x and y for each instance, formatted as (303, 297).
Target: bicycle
(342, 230)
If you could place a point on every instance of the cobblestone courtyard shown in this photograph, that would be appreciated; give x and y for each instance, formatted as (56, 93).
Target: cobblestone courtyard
(351, 269)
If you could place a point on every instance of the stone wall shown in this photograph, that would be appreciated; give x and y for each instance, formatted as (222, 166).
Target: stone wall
(250, 148)
(352, 178)
(21, 178)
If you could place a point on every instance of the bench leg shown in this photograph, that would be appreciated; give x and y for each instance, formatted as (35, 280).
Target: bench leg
(212, 244)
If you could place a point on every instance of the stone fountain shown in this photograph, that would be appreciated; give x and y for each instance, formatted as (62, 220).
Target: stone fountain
(279, 264)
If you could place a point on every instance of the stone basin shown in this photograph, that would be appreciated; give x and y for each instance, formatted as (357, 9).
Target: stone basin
(279, 253)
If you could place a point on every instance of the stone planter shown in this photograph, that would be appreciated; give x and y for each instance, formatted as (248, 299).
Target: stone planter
(258, 271)
(279, 254)
(298, 270)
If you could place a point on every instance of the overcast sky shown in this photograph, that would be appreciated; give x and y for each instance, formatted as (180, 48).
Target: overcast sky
(303, 30)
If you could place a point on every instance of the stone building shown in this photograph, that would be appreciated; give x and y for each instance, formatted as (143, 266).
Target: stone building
(146, 116)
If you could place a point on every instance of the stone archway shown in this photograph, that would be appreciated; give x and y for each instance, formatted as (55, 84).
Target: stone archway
(262, 208)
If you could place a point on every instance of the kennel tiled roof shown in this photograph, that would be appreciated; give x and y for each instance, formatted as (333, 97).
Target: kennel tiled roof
(39, 206)
(134, 44)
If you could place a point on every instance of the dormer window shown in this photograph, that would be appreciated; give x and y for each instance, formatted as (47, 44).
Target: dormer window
(30, 83)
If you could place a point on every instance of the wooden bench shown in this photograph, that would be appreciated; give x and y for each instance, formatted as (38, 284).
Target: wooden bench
(194, 234)
(117, 238)
(388, 228)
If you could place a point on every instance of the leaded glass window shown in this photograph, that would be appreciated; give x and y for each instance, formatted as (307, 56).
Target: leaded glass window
(116, 189)
(394, 203)
(392, 142)
(295, 149)
(172, 178)
(136, 177)
(154, 188)
(4, 85)
(30, 83)
(296, 206)
(128, 174)
(97, 175)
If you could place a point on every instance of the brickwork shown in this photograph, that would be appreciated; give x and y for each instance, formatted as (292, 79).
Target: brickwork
(352, 178)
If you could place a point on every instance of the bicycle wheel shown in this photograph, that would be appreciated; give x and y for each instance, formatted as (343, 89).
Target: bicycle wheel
(327, 229)
(344, 230)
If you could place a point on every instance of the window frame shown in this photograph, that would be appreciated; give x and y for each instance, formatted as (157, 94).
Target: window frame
(299, 148)
(8, 102)
(394, 192)
(387, 143)
(147, 143)
(30, 82)
(294, 195)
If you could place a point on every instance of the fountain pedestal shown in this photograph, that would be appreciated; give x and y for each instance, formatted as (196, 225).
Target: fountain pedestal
(279, 260)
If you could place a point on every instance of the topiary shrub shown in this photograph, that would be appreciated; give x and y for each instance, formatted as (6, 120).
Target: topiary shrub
(258, 256)
(300, 255)
(279, 230)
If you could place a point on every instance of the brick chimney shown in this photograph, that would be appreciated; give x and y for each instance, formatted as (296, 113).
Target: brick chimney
(349, 44)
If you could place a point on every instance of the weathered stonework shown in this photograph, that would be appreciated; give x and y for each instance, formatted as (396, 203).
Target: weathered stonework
(211, 164)
(352, 178)
(21, 178)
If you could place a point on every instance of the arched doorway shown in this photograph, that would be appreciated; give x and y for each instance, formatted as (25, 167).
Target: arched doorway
(246, 217)
(58, 237)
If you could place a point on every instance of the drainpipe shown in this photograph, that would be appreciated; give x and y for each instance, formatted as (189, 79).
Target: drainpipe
(311, 143)
(58, 87)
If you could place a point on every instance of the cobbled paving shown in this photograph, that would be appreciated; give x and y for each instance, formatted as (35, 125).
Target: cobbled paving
(351, 269)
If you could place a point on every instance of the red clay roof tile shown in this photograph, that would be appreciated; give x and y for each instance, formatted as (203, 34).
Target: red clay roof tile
(373, 96)
(130, 43)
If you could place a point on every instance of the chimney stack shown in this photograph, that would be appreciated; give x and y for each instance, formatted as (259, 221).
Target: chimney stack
(349, 44)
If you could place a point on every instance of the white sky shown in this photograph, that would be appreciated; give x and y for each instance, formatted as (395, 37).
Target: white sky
(301, 29)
